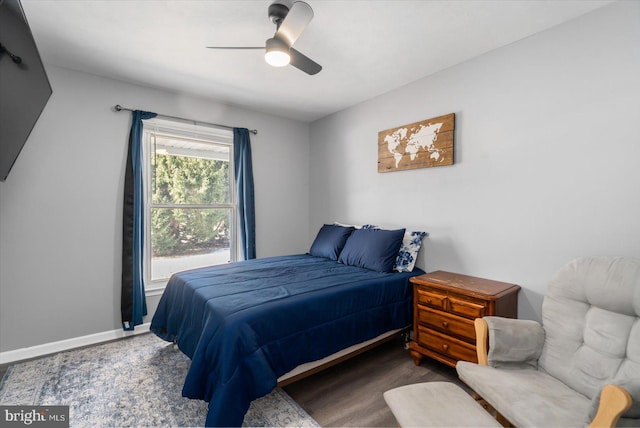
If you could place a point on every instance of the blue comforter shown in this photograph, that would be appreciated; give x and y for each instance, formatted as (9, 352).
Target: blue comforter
(246, 323)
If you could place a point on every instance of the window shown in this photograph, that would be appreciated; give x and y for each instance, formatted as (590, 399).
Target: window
(190, 213)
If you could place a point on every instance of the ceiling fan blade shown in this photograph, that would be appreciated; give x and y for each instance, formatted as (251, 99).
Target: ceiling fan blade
(235, 47)
(295, 22)
(304, 63)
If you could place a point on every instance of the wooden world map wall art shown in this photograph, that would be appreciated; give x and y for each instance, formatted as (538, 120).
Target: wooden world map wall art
(418, 145)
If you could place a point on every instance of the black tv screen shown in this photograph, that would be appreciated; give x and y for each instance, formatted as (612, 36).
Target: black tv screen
(24, 86)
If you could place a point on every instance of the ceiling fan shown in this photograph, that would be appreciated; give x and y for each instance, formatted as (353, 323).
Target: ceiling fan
(290, 23)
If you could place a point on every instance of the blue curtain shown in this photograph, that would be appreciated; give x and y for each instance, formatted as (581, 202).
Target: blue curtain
(244, 192)
(133, 304)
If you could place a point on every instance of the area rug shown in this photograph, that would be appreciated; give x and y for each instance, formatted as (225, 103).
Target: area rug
(134, 382)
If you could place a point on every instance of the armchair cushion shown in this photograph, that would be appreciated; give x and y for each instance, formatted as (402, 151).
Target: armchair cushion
(527, 397)
(590, 315)
(514, 343)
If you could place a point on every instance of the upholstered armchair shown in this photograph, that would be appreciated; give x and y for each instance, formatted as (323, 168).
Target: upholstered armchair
(581, 366)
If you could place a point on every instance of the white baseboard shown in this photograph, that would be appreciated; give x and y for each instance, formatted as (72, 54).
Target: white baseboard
(67, 344)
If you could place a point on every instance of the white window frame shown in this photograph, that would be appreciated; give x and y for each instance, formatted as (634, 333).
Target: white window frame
(201, 133)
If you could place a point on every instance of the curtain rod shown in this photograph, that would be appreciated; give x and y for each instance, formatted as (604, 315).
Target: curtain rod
(118, 107)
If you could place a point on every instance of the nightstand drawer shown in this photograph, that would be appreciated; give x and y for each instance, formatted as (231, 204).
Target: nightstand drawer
(447, 323)
(446, 345)
(467, 308)
(432, 299)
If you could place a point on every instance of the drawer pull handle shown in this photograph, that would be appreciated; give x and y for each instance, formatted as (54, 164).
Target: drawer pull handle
(429, 301)
(445, 347)
(445, 324)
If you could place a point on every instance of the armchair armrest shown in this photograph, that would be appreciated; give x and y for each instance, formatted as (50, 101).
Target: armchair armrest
(512, 342)
(482, 339)
(614, 401)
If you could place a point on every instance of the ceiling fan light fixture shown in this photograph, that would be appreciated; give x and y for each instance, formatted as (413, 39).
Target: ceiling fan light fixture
(277, 53)
(290, 23)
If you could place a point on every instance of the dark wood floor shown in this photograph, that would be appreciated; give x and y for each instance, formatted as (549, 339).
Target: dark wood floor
(350, 394)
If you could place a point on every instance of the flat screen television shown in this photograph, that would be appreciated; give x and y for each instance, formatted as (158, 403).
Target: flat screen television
(24, 85)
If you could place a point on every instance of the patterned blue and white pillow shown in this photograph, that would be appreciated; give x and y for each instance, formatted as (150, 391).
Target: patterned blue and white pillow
(408, 253)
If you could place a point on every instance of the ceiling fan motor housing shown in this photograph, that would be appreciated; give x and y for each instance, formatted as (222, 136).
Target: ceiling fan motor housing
(277, 13)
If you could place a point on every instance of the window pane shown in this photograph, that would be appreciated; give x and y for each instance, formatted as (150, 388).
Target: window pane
(184, 239)
(189, 172)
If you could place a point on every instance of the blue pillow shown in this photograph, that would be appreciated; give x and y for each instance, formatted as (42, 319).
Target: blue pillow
(330, 241)
(375, 249)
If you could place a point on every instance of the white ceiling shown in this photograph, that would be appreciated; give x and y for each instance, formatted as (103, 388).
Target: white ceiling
(366, 48)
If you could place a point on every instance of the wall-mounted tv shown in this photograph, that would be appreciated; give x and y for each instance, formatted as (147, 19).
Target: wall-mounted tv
(24, 86)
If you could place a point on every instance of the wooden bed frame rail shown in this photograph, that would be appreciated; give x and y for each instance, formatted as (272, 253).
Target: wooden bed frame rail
(308, 369)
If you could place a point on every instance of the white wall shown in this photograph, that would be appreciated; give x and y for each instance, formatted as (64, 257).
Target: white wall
(61, 206)
(547, 144)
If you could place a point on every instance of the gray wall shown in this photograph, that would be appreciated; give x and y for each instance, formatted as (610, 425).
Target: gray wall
(61, 206)
(546, 156)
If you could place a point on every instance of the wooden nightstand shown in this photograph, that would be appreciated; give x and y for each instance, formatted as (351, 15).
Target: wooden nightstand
(444, 307)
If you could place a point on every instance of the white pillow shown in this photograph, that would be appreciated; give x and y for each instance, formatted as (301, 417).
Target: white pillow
(347, 225)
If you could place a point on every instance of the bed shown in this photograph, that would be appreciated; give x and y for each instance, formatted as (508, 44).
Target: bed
(245, 324)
